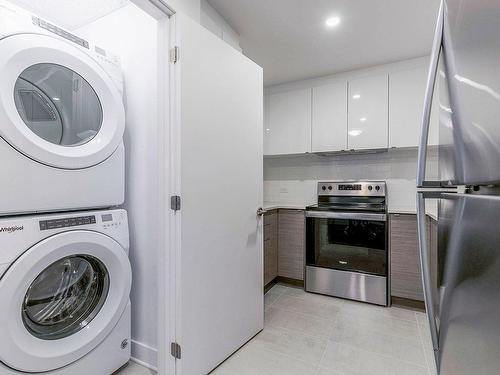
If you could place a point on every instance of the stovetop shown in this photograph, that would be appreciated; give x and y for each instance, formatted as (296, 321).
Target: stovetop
(347, 208)
(351, 196)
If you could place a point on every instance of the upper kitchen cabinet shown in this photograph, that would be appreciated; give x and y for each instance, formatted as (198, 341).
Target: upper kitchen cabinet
(287, 129)
(368, 112)
(329, 119)
(407, 92)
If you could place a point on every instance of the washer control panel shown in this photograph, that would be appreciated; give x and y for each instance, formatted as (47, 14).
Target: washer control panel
(67, 222)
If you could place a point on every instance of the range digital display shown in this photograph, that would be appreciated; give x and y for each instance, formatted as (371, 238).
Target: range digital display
(350, 187)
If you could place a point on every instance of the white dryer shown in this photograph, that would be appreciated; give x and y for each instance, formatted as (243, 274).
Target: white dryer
(64, 293)
(62, 119)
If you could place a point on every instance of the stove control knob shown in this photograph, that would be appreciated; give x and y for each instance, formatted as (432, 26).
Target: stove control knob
(377, 188)
(370, 188)
(323, 188)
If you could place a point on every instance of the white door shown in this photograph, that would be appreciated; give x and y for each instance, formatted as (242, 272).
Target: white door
(219, 113)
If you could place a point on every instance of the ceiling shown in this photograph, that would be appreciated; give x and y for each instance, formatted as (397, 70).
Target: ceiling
(289, 39)
(71, 14)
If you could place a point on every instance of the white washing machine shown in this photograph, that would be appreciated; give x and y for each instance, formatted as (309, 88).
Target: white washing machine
(64, 293)
(62, 119)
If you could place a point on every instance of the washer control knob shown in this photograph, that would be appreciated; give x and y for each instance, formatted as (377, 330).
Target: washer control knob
(330, 188)
(323, 188)
(377, 188)
(370, 188)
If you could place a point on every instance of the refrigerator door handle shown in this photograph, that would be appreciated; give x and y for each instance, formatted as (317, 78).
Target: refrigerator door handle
(426, 273)
(429, 93)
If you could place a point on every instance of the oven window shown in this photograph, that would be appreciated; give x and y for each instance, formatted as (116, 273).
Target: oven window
(346, 244)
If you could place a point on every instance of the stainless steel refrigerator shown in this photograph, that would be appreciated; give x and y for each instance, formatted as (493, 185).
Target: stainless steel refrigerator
(463, 306)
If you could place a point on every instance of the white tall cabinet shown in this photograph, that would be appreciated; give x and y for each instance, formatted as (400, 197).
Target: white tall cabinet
(287, 129)
(368, 112)
(329, 117)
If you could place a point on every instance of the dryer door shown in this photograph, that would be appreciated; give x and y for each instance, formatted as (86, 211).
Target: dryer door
(57, 104)
(61, 298)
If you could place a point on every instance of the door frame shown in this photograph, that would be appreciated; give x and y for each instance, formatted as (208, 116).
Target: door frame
(162, 12)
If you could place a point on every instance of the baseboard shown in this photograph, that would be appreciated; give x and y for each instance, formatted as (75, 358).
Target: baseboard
(145, 355)
(408, 303)
(289, 281)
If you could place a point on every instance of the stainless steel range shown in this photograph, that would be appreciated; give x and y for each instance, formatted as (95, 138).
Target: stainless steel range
(346, 242)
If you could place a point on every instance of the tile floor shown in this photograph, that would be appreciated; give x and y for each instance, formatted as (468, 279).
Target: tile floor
(134, 369)
(309, 334)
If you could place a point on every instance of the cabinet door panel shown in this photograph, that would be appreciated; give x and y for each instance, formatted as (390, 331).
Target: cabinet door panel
(270, 246)
(406, 281)
(288, 127)
(406, 103)
(329, 120)
(291, 244)
(368, 113)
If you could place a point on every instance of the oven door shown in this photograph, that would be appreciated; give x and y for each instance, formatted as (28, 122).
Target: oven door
(348, 241)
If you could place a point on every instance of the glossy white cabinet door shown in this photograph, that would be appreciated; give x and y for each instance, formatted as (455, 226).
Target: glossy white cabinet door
(368, 113)
(406, 100)
(288, 126)
(329, 119)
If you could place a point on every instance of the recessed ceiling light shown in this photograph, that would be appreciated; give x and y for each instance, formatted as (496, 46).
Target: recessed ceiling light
(362, 119)
(332, 21)
(56, 99)
(357, 96)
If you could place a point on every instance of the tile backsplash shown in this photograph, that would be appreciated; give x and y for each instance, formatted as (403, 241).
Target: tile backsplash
(292, 180)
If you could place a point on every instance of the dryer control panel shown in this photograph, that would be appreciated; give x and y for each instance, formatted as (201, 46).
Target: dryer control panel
(67, 222)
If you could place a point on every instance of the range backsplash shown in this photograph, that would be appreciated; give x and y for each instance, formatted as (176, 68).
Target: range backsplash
(292, 180)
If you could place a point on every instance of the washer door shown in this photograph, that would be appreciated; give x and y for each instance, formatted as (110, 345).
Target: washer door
(57, 105)
(65, 295)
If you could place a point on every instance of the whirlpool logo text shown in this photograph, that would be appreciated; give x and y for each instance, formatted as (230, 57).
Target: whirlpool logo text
(11, 229)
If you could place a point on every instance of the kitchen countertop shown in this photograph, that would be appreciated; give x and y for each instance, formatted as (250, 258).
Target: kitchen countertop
(269, 206)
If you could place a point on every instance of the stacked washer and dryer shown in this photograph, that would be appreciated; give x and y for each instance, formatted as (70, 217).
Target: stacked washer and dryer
(65, 276)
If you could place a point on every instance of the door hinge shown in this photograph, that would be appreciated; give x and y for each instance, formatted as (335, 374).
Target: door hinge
(175, 350)
(174, 54)
(175, 202)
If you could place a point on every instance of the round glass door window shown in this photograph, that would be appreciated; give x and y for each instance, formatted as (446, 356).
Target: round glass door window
(58, 104)
(65, 297)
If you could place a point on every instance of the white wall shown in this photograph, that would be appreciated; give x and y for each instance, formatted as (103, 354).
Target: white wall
(190, 8)
(292, 180)
(213, 21)
(132, 34)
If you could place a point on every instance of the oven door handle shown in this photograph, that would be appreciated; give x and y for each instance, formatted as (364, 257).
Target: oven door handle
(346, 215)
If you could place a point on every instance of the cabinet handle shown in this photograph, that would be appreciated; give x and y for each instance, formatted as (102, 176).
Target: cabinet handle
(429, 93)
(260, 211)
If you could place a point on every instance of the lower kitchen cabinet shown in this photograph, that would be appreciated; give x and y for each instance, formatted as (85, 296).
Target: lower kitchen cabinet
(291, 244)
(406, 280)
(270, 246)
